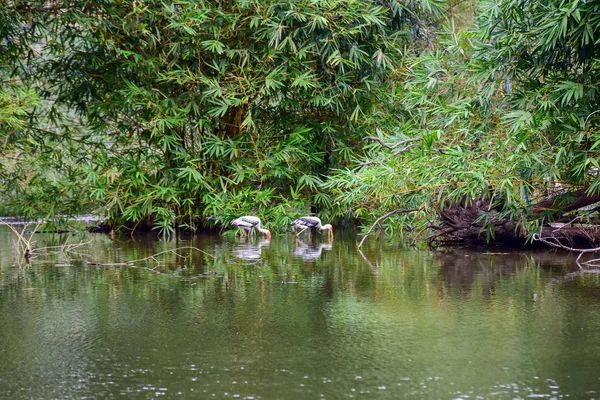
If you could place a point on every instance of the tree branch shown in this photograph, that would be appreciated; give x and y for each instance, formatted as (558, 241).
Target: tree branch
(398, 211)
(554, 242)
(579, 199)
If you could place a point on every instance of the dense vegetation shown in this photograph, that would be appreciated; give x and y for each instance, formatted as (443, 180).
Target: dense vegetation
(189, 113)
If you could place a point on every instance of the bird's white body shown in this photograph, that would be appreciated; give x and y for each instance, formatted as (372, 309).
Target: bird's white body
(249, 222)
(312, 223)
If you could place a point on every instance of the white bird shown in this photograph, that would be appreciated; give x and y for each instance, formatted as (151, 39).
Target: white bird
(312, 223)
(250, 222)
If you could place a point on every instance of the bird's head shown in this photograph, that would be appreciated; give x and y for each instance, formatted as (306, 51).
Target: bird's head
(268, 234)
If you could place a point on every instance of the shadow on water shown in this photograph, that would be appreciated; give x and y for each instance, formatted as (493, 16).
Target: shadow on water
(293, 318)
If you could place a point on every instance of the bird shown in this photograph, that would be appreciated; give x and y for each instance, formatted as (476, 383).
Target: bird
(250, 222)
(312, 223)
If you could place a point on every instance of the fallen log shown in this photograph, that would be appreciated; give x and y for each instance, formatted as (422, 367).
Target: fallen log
(478, 222)
(474, 223)
(565, 202)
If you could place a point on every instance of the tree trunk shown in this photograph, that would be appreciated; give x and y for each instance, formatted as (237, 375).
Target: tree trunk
(468, 224)
(565, 202)
(476, 223)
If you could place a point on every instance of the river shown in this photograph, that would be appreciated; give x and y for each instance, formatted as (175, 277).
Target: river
(287, 319)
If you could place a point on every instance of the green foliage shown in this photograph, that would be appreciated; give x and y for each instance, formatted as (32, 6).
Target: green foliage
(194, 112)
(548, 49)
(507, 111)
(457, 150)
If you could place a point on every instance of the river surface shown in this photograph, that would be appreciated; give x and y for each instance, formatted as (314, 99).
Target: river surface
(233, 319)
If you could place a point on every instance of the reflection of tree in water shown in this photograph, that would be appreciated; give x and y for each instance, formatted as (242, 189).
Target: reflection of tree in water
(311, 251)
(461, 271)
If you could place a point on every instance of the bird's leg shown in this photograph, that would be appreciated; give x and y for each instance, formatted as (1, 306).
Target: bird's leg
(298, 234)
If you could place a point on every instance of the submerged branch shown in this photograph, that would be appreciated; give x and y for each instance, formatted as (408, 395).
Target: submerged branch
(556, 243)
(153, 257)
(173, 251)
(25, 244)
(28, 251)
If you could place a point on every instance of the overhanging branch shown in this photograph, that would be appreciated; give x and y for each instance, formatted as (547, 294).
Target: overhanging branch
(398, 211)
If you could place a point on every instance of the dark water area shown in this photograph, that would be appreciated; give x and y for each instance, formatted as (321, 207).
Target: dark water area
(283, 319)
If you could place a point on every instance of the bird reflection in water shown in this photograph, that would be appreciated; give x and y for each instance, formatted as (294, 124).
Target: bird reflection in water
(311, 251)
(248, 251)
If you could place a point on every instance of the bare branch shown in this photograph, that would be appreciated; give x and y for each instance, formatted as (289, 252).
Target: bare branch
(171, 251)
(398, 211)
(595, 263)
(588, 117)
(413, 242)
(25, 244)
(555, 242)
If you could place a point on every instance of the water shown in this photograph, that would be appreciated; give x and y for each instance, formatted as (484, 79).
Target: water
(287, 320)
